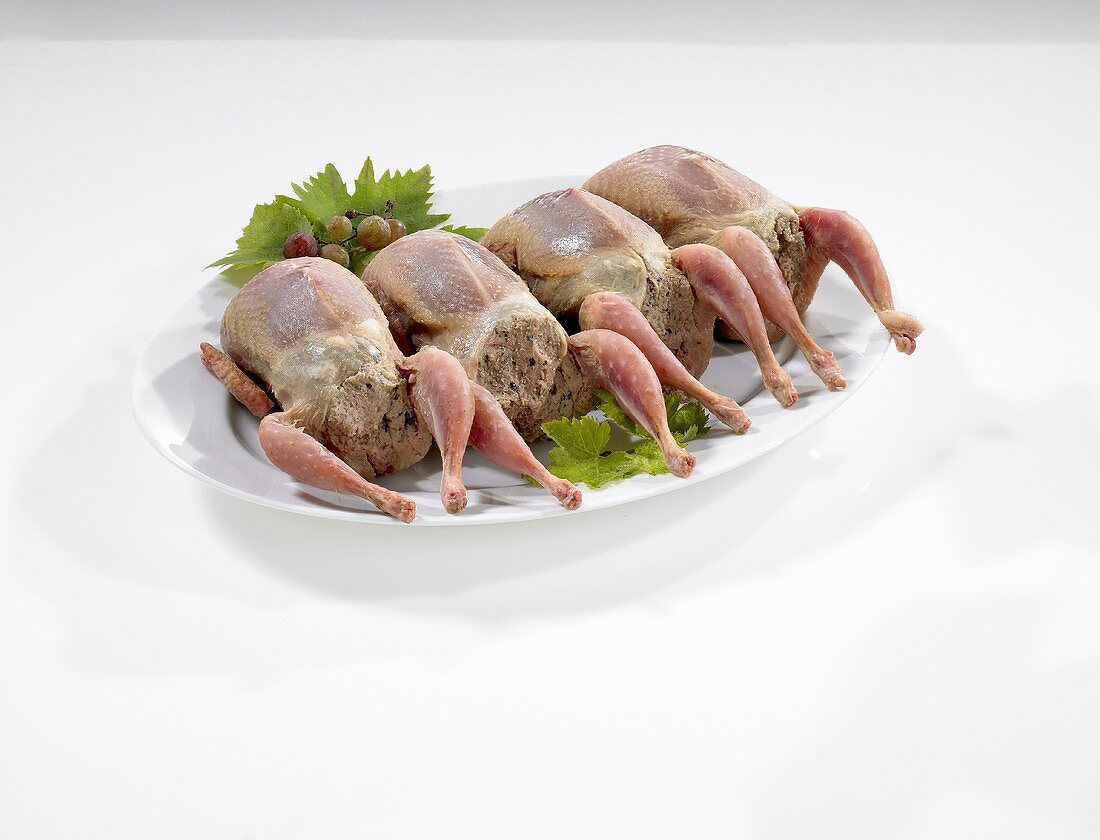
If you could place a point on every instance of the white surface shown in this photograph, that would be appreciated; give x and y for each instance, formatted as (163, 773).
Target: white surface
(887, 628)
(727, 21)
(193, 422)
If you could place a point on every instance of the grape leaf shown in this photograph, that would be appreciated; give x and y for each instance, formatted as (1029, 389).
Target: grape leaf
(687, 421)
(580, 438)
(647, 458)
(360, 259)
(611, 410)
(410, 193)
(401, 195)
(580, 454)
(261, 242)
(323, 196)
(474, 233)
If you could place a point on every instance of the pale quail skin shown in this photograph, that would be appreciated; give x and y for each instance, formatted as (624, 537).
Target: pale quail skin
(692, 198)
(446, 291)
(689, 197)
(324, 350)
(353, 405)
(588, 259)
(466, 343)
(568, 244)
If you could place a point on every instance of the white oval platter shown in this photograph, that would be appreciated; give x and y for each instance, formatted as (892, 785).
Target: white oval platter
(191, 420)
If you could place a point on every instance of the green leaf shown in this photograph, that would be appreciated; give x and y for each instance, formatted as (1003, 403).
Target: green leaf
(647, 458)
(474, 233)
(580, 457)
(360, 259)
(595, 472)
(606, 403)
(578, 454)
(410, 193)
(579, 438)
(261, 242)
(687, 420)
(323, 196)
(571, 463)
(403, 195)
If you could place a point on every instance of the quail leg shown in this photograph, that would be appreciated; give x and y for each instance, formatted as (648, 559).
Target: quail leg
(837, 236)
(606, 310)
(305, 459)
(762, 272)
(493, 435)
(441, 396)
(612, 361)
(718, 281)
(235, 380)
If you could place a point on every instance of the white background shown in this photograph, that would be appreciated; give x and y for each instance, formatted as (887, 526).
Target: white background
(886, 629)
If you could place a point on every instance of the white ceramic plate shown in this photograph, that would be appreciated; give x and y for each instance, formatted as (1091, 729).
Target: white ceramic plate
(190, 419)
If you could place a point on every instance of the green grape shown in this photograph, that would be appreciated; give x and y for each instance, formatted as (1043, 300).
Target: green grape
(397, 228)
(373, 233)
(299, 245)
(336, 253)
(339, 228)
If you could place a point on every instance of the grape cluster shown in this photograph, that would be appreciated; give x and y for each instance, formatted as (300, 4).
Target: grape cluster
(371, 233)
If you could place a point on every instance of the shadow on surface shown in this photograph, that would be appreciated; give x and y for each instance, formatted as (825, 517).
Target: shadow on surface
(222, 582)
(775, 507)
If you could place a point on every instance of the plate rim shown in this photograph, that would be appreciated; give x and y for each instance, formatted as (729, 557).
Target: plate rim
(142, 377)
